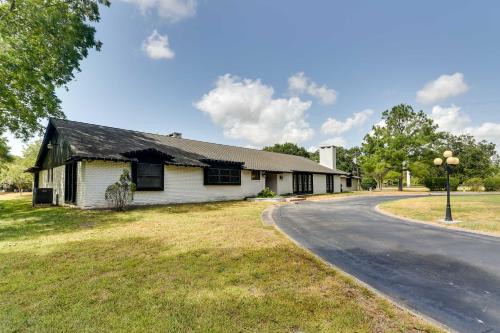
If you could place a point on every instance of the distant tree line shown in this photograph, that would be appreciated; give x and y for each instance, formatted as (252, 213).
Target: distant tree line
(13, 175)
(410, 140)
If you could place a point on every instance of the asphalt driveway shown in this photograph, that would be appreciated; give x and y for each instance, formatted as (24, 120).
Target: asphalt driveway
(448, 275)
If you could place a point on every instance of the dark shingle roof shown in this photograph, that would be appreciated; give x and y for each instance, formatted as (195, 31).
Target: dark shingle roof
(102, 142)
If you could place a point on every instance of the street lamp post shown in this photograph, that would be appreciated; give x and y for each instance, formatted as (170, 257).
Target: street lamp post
(448, 165)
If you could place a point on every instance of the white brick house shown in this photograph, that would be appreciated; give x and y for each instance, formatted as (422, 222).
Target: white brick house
(78, 161)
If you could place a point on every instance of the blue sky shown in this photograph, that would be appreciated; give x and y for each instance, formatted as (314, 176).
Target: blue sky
(252, 73)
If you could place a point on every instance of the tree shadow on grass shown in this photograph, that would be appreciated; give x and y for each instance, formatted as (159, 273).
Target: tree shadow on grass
(143, 284)
(19, 220)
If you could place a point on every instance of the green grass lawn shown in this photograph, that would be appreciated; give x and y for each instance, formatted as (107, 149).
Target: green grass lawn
(184, 268)
(475, 212)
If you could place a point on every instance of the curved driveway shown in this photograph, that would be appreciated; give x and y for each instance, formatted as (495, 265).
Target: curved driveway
(449, 275)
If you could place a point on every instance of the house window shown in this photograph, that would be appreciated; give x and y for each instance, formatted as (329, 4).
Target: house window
(222, 174)
(348, 182)
(50, 175)
(148, 176)
(329, 183)
(302, 183)
(255, 175)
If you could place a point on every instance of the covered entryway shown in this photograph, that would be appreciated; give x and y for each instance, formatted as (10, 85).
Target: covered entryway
(272, 181)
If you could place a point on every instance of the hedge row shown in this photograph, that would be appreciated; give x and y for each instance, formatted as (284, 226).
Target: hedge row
(492, 183)
(439, 183)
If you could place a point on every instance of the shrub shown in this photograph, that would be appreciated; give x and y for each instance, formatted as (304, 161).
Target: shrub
(439, 183)
(121, 193)
(266, 193)
(492, 183)
(368, 184)
(474, 184)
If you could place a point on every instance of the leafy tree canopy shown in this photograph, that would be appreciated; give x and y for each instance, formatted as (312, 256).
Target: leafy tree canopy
(478, 159)
(4, 151)
(288, 148)
(41, 45)
(407, 137)
(348, 159)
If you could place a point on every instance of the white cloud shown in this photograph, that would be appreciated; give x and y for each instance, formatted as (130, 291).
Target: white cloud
(453, 120)
(335, 127)
(442, 88)
(449, 118)
(487, 131)
(170, 10)
(156, 46)
(247, 110)
(300, 84)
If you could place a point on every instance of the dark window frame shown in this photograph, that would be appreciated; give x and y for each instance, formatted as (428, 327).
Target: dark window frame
(139, 166)
(70, 182)
(222, 174)
(255, 175)
(303, 183)
(330, 187)
(348, 182)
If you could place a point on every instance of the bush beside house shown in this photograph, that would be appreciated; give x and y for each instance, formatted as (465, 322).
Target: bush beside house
(266, 193)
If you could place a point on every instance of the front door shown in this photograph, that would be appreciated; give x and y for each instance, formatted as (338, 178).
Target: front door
(272, 182)
(70, 180)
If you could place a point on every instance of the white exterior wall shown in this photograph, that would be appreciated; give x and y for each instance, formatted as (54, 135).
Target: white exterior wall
(182, 184)
(285, 183)
(354, 187)
(343, 181)
(319, 183)
(336, 184)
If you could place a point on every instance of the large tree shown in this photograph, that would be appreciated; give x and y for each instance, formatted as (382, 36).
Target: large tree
(288, 148)
(406, 137)
(4, 153)
(348, 159)
(42, 43)
(478, 159)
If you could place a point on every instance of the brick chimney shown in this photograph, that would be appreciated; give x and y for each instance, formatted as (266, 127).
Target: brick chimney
(328, 156)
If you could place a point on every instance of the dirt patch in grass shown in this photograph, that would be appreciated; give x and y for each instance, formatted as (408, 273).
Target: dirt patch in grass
(474, 212)
(183, 268)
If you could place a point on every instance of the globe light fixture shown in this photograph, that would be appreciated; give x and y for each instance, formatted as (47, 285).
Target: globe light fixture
(450, 163)
(454, 161)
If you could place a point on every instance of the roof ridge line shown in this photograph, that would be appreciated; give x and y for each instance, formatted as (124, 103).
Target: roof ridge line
(166, 136)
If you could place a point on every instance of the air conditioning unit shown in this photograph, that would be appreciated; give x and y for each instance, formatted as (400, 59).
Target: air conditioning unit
(43, 196)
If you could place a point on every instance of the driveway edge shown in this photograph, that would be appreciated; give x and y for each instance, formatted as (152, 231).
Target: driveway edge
(268, 220)
(443, 226)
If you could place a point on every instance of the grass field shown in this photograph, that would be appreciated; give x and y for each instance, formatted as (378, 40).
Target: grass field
(185, 268)
(474, 212)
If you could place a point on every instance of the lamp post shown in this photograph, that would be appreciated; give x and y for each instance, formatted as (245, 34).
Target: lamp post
(448, 165)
